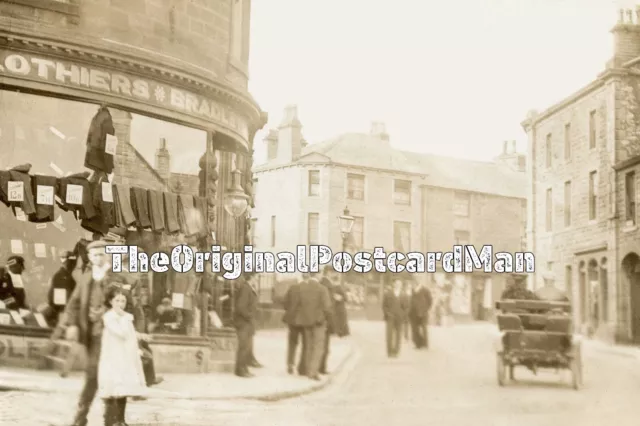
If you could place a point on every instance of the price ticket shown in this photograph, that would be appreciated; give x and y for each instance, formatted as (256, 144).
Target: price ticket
(111, 145)
(45, 195)
(107, 192)
(74, 194)
(16, 191)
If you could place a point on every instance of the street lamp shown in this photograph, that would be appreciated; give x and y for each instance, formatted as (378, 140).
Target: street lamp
(235, 199)
(346, 223)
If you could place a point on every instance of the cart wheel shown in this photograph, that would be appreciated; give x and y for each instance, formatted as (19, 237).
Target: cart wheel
(501, 370)
(576, 371)
(512, 372)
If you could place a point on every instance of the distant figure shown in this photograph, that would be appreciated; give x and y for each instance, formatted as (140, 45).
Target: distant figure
(292, 317)
(12, 292)
(394, 307)
(517, 290)
(246, 310)
(315, 310)
(419, 307)
(406, 322)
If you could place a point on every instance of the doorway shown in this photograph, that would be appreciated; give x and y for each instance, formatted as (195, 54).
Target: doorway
(631, 268)
(477, 299)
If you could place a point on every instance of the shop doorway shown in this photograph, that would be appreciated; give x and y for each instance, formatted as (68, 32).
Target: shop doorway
(477, 299)
(631, 268)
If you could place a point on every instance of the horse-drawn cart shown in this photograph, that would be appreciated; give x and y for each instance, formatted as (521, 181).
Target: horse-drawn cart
(538, 335)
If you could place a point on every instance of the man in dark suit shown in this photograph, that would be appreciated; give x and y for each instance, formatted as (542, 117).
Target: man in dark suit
(420, 304)
(292, 318)
(246, 310)
(331, 325)
(83, 317)
(315, 310)
(12, 292)
(394, 305)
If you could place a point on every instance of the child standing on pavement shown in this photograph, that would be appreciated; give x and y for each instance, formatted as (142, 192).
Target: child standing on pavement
(120, 373)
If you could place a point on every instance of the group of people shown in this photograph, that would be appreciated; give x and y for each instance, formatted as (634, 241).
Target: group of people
(315, 309)
(406, 306)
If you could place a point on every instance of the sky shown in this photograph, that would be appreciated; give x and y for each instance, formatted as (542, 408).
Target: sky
(453, 78)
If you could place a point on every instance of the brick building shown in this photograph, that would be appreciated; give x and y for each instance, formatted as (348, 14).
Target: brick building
(178, 66)
(584, 154)
(402, 201)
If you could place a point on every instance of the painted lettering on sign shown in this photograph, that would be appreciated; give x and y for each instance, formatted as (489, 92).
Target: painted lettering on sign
(65, 73)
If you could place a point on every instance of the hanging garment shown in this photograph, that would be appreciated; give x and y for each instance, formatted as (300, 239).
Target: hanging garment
(83, 210)
(103, 201)
(44, 189)
(18, 174)
(140, 207)
(123, 195)
(156, 212)
(201, 206)
(185, 205)
(96, 158)
(171, 212)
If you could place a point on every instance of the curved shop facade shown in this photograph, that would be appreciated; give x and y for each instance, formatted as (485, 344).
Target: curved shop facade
(182, 131)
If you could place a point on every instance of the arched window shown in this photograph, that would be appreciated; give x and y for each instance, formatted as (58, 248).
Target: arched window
(604, 289)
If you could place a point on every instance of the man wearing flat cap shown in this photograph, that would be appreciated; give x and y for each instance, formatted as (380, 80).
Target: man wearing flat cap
(84, 320)
(12, 292)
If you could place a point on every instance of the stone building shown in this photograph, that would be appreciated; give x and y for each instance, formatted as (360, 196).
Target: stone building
(402, 201)
(583, 153)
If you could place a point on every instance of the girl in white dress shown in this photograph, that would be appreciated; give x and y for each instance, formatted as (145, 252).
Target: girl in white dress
(120, 373)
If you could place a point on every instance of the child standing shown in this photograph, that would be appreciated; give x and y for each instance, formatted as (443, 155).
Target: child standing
(120, 373)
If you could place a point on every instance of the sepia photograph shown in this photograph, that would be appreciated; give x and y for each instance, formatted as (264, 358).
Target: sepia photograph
(319, 213)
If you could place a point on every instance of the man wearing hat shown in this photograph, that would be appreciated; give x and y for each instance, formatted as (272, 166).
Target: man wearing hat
(12, 292)
(84, 320)
(550, 291)
(61, 286)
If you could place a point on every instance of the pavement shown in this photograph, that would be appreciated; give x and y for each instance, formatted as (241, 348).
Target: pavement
(451, 384)
(270, 383)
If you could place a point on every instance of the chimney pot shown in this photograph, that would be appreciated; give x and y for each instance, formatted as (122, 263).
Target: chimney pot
(513, 146)
(621, 16)
(379, 130)
(630, 16)
(504, 147)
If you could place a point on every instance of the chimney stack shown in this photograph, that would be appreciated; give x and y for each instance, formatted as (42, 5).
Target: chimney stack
(272, 144)
(163, 160)
(379, 130)
(505, 147)
(289, 136)
(514, 148)
(626, 34)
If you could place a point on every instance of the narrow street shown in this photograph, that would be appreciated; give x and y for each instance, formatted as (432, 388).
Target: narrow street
(452, 383)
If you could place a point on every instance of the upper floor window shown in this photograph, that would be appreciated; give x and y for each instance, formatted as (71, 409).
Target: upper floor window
(402, 192)
(630, 197)
(237, 49)
(462, 238)
(313, 228)
(273, 231)
(357, 231)
(314, 183)
(355, 186)
(592, 129)
(567, 141)
(402, 237)
(549, 211)
(567, 203)
(549, 150)
(461, 201)
(593, 195)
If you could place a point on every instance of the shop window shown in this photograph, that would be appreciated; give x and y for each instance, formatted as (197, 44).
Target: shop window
(150, 155)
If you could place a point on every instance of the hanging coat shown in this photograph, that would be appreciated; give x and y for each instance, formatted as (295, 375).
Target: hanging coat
(96, 158)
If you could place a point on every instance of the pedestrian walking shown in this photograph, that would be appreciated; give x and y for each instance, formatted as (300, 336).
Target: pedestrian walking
(292, 317)
(315, 311)
(406, 322)
(83, 317)
(246, 310)
(120, 372)
(420, 304)
(394, 306)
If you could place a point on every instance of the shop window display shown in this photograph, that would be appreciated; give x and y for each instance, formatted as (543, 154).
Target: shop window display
(152, 189)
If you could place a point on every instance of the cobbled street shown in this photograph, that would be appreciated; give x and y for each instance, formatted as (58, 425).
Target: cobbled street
(451, 384)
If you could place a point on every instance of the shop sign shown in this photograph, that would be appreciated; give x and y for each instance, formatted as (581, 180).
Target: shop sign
(123, 85)
(15, 347)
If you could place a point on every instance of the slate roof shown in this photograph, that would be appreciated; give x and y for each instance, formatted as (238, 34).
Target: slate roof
(364, 150)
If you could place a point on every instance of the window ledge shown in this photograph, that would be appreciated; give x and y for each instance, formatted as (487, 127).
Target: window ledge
(627, 228)
(51, 5)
